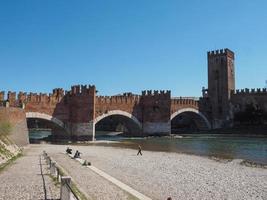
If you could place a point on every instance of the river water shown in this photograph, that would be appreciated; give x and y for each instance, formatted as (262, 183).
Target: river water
(248, 147)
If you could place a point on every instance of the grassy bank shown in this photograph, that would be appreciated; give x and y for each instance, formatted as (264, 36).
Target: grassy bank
(8, 150)
(9, 162)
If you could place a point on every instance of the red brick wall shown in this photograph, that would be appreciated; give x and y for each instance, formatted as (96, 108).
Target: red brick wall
(177, 104)
(17, 118)
(127, 103)
(156, 106)
(81, 105)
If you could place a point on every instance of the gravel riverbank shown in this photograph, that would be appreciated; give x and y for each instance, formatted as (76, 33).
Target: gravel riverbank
(88, 182)
(27, 178)
(160, 174)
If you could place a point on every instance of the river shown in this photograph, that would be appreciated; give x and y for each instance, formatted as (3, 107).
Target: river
(248, 147)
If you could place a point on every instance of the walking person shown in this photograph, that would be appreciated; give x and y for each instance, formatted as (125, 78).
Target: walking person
(139, 150)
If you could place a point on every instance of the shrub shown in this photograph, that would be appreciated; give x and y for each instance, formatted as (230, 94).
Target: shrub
(5, 128)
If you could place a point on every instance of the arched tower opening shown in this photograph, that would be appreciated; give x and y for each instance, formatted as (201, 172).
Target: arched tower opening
(188, 121)
(43, 127)
(117, 123)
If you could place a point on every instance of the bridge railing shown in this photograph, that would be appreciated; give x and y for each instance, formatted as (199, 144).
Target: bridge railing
(66, 190)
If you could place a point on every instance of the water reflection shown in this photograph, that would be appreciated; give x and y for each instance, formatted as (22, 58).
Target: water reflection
(39, 134)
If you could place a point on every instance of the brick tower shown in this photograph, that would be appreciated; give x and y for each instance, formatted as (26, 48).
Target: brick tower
(221, 80)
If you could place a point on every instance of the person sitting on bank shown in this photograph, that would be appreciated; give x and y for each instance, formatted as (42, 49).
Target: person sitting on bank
(68, 150)
(77, 154)
(139, 150)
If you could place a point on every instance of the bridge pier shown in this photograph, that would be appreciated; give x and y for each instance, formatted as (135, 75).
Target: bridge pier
(83, 131)
(157, 128)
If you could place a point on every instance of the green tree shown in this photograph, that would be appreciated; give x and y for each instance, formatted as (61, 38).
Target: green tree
(252, 114)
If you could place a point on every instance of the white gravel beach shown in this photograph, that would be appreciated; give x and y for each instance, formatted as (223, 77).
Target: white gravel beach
(91, 184)
(27, 178)
(159, 175)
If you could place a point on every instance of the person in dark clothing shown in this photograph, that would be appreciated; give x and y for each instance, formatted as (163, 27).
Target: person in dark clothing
(77, 154)
(68, 150)
(139, 150)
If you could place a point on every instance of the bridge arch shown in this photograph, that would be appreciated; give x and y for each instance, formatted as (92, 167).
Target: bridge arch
(118, 112)
(46, 117)
(127, 120)
(192, 110)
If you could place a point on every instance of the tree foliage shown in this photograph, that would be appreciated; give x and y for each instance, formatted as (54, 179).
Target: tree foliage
(252, 114)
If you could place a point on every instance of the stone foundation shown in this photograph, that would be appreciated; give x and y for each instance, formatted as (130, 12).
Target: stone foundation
(157, 128)
(83, 131)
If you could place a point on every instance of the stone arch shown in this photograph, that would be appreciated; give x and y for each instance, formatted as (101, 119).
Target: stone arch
(194, 111)
(46, 117)
(118, 112)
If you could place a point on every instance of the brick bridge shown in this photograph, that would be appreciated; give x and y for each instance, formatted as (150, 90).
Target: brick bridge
(82, 113)
(80, 110)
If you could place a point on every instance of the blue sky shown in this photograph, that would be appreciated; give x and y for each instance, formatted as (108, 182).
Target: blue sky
(128, 46)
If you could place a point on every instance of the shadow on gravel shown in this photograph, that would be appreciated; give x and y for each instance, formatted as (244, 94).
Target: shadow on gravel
(42, 174)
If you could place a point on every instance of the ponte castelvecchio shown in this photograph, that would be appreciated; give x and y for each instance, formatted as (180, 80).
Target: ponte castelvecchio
(79, 111)
(148, 100)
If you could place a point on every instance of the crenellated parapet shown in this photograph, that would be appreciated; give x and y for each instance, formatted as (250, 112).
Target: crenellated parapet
(243, 99)
(184, 101)
(2, 98)
(77, 90)
(221, 52)
(81, 103)
(2, 95)
(126, 98)
(56, 96)
(11, 96)
(16, 100)
(247, 91)
(156, 107)
(179, 103)
(22, 96)
(58, 92)
(126, 102)
(156, 93)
